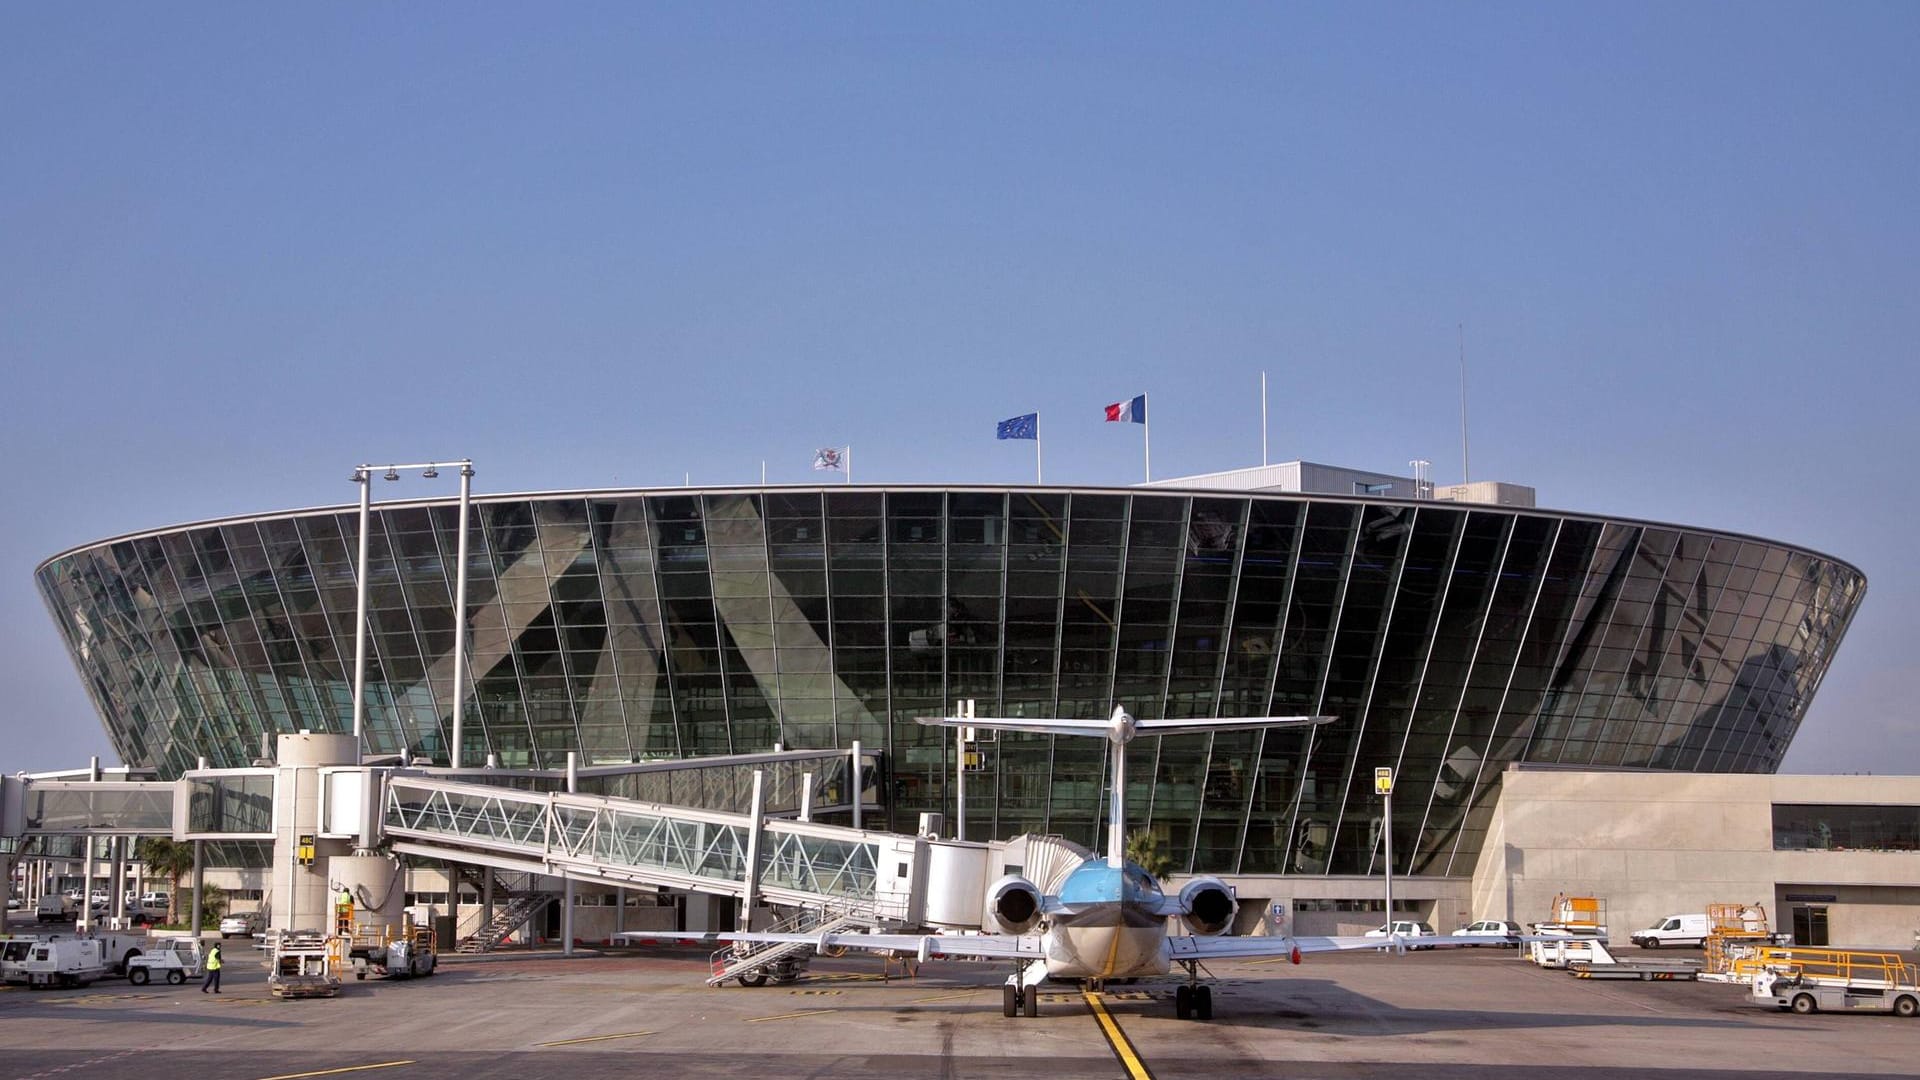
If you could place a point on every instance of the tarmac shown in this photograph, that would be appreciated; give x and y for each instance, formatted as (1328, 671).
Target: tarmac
(647, 1013)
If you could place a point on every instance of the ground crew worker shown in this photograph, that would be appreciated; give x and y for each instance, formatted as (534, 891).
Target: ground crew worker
(213, 971)
(343, 911)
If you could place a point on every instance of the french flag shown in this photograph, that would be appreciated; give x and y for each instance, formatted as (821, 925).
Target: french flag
(1128, 412)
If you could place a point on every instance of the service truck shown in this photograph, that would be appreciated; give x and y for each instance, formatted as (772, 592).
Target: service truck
(64, 962)
(57, 907)
(1689, 929)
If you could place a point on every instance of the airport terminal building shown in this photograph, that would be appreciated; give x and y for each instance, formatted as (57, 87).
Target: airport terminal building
(1453, 633)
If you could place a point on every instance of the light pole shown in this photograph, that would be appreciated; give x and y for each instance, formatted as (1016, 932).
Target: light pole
(1383, 786)
(363, 475)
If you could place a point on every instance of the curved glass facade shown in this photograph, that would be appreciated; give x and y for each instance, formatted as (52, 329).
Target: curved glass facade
(1449, 639)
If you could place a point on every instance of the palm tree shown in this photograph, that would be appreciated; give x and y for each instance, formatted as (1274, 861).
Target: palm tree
(171, 859)
(1145, 851)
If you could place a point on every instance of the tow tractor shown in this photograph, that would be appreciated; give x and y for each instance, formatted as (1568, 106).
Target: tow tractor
(1815, 980)
(397, 952)
(173, 959)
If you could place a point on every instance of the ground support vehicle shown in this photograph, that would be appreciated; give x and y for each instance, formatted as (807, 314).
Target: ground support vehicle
(402, 952)
(174, 959)
(13, 956)
(118, 947)
(64, 962)
(1813, 980)
(306, 963)
(1740, 931)
(1600, 963)
(1575, 916)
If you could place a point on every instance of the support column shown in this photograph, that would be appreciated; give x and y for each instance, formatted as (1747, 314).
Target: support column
(199, 882)
(756, 813)
(853, 782)
(86, 884)
(566, 913)
(486, 900)
(117, 869)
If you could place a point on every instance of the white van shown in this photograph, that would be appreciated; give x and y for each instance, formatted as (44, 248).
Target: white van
(1689, 929)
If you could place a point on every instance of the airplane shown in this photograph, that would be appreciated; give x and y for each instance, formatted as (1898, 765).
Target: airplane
(1108, 921)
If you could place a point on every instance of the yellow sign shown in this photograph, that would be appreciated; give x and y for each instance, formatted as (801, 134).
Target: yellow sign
(1383, 781)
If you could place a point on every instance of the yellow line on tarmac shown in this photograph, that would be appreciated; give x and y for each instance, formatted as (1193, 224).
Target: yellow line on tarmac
(791, 1015)
(1117, 1039)
(942, 997)
(597, 1038)
(330, 1072)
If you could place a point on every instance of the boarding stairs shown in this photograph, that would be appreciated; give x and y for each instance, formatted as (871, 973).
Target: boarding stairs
(753, 962)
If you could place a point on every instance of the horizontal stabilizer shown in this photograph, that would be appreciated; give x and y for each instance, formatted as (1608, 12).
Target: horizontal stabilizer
(1037, 725)
(1126, 726)
(1225, 723)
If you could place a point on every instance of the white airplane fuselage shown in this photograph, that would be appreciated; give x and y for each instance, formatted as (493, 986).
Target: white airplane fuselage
(1108, 925)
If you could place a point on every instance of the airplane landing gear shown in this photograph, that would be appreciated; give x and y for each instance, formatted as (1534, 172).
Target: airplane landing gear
(1016, 999)
(1191, 1000)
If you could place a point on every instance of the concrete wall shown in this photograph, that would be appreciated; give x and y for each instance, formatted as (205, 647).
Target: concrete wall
(1655, 844)
(1443, 902)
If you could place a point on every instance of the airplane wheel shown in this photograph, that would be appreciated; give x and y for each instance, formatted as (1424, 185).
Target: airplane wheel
(1009, 1000)
(1030, 998)
(1183, 1001)
(1203, 1002)
(175, 978)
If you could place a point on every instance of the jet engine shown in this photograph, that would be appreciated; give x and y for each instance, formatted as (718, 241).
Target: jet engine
(1014, 904)
(1207, 905)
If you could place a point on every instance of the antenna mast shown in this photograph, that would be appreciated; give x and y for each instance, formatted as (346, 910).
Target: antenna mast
(1466, 470)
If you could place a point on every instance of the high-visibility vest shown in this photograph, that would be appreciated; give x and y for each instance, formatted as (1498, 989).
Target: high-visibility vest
(213, 959)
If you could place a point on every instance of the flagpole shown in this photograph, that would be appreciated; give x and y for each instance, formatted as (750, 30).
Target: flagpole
(1036, 449)
(849, 463)
(1263, 418)
(1146, 434)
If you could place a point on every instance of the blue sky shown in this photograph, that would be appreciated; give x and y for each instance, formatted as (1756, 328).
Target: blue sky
(243, 248)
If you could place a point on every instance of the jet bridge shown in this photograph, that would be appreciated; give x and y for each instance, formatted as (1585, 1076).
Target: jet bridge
(624, 842)
(739, 826)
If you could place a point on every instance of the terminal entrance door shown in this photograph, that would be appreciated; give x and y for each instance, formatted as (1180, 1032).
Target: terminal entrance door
(1810, 926)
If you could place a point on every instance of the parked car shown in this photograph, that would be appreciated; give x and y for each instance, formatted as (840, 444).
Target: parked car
(13, 903)
(1495, 931)
(243, 924)
(1406, 931)
(154, 900)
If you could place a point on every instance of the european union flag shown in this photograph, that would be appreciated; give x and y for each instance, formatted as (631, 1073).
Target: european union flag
(1020, 427)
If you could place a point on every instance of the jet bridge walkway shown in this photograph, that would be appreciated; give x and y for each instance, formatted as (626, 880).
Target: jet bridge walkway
(875, 877)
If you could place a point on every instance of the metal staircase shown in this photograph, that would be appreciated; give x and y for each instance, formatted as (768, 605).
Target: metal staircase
(518, 911)
(783, 961)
